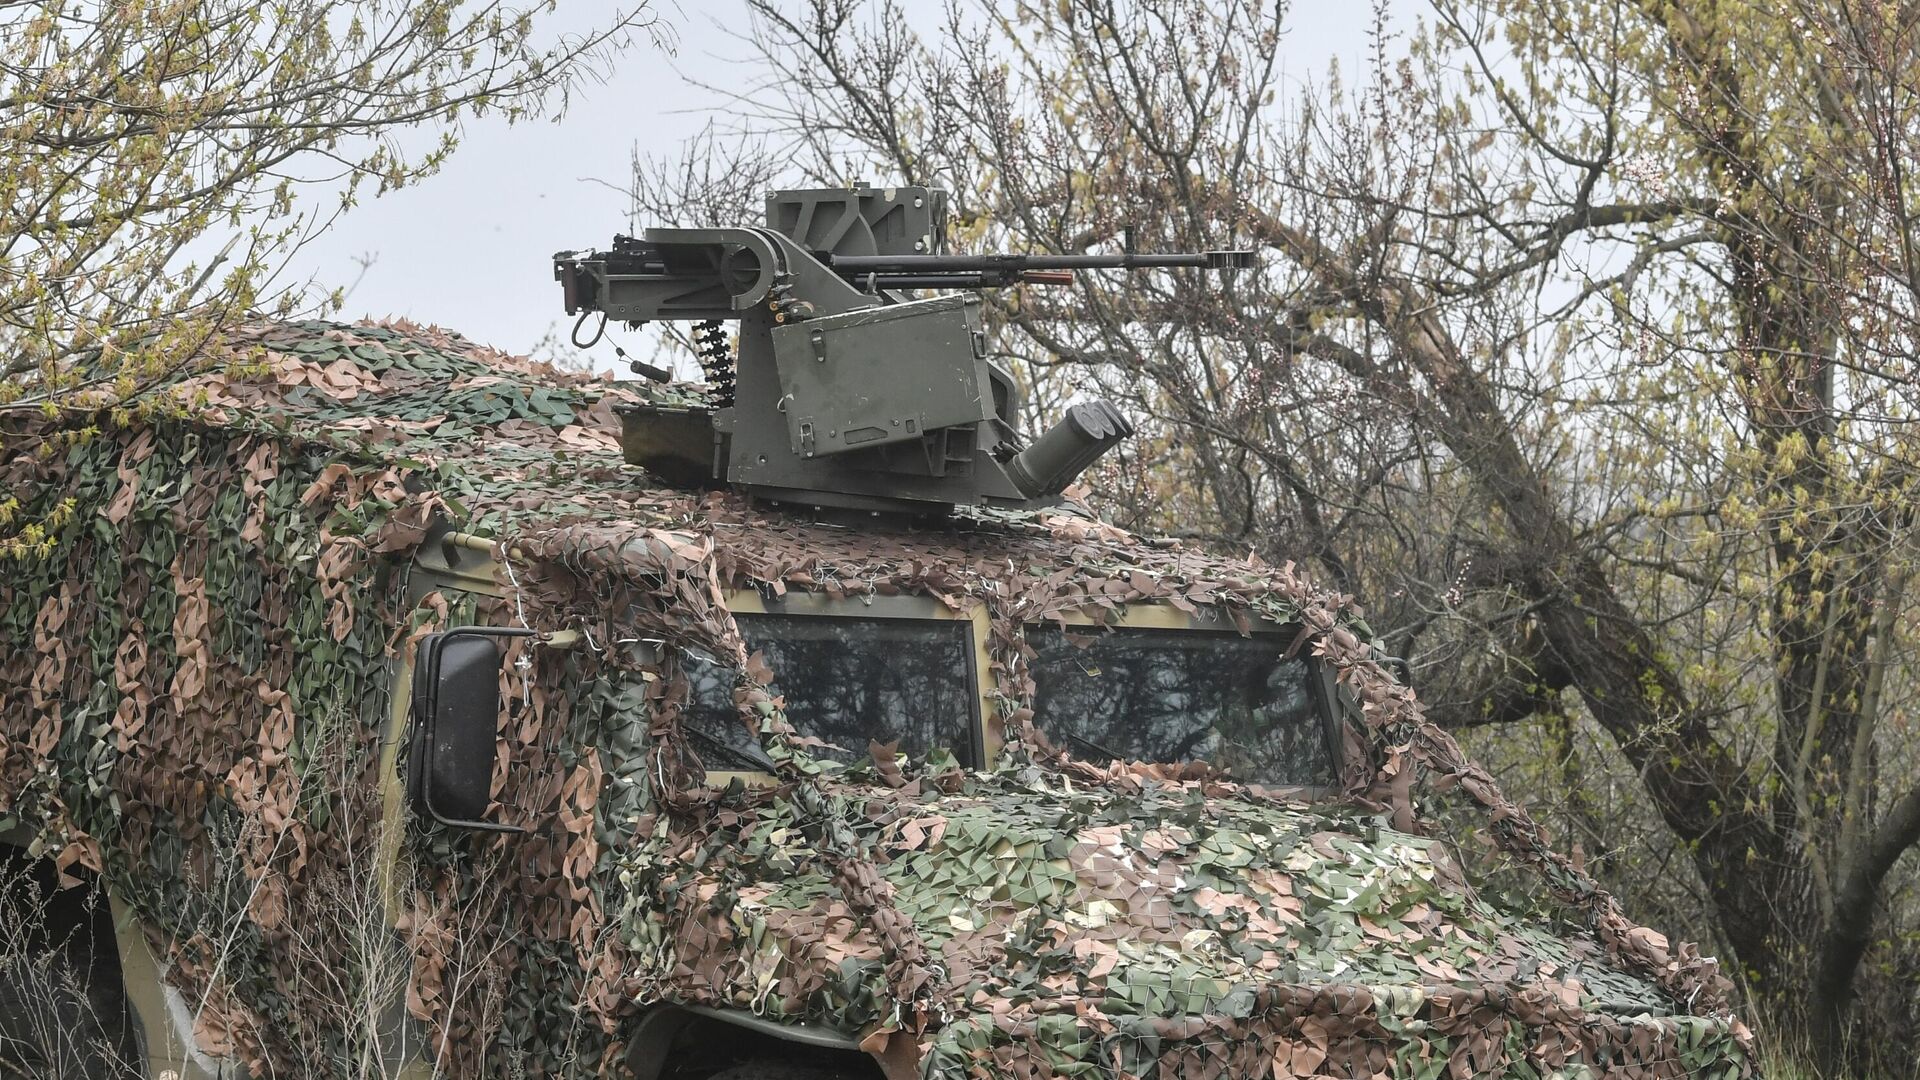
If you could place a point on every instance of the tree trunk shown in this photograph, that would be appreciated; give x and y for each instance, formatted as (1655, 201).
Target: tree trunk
(1699, 788)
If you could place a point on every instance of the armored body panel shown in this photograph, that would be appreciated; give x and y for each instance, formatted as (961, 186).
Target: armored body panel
(862, 220)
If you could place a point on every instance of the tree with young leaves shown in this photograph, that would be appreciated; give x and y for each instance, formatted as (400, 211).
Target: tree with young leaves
(159, 159)
(1583, 350)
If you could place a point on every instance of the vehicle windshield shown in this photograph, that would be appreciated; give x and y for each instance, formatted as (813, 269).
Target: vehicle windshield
(846, 681)
(1183, 695)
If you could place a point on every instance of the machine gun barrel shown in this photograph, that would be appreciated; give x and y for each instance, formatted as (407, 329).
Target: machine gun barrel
(1007, 269)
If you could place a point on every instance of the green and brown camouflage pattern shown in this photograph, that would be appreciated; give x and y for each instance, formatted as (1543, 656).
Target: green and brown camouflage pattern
(196, 654)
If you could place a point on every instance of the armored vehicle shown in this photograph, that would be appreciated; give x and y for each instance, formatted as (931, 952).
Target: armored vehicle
(375, 703)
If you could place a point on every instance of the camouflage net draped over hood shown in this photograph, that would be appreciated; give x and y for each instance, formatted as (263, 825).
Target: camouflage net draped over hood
(1498, 1016)
(214, 619)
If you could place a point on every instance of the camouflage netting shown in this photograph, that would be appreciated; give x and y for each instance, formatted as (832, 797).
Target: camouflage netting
(195, 685)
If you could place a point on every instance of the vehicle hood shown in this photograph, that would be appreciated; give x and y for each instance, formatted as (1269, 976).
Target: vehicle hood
(1117, 926)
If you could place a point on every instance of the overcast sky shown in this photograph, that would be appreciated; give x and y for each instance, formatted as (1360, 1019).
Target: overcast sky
(470, 249)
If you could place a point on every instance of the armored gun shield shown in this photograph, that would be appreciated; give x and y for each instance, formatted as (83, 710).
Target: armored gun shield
(883, 375)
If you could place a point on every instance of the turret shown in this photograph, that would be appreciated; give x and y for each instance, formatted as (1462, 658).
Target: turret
(844, 392)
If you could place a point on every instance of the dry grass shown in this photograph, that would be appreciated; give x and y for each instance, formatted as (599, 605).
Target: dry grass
(50, 1025)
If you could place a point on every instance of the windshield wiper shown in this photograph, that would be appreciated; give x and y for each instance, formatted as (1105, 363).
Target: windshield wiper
(758, 759)
(1096, 747)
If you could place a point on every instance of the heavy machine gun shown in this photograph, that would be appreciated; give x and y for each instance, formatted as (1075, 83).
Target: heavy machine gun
(845, 393)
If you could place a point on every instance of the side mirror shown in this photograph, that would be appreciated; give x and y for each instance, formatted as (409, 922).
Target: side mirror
(456, 705)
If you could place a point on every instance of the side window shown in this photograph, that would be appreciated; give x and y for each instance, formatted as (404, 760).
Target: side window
(1183, 695)
(847, 681)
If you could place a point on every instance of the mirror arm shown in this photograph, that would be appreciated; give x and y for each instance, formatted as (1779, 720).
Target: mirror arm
(429, 721)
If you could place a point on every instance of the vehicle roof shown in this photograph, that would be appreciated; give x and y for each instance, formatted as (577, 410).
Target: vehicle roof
(510, 446)
(512, 440)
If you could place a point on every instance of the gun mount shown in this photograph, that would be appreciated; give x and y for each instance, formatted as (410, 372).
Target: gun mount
(845, 393)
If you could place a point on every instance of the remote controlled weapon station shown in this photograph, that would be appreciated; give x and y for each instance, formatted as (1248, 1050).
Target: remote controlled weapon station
(844, 392)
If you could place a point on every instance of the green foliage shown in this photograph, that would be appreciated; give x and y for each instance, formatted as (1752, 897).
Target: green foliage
(157, 154)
